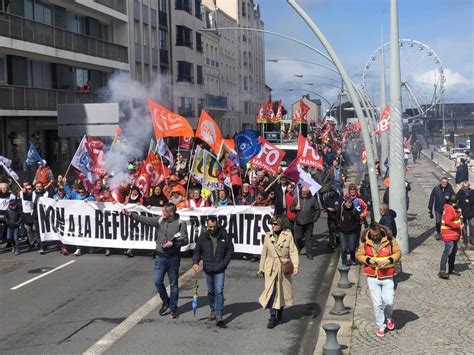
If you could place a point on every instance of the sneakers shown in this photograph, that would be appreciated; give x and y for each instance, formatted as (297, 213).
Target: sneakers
(17, 252)
(443, 275)
(390, 324)
(42, 251)
(380, 332)
(163, 310)
(77, 252)
(272, 322)
(174, 314)
(107, 252)
(128, 253)
(438, 236)
(455, 273)
(64, 251)
(220, 322)
(212, 317)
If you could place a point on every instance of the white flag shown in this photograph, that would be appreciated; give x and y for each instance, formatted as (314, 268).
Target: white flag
(5, 161)
(164, 151)
(8, 170)
(308, 181)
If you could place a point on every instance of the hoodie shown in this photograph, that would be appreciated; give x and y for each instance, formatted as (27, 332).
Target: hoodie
(388, 220)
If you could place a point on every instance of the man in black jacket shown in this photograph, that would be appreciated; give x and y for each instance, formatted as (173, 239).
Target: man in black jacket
(462, 173)
(466, 203)
(439, 196)
(307, 212)
(332, 205)
(215, 247)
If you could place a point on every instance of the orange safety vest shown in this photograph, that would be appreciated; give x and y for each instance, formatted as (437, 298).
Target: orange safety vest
(448, 232)
(385, 250)
(42, 175)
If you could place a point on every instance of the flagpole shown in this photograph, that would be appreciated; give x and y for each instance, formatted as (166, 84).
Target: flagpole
(191, 166)
(67, 170)
(12, 177)
(270, 185)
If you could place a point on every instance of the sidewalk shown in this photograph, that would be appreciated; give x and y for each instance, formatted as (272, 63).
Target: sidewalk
(432, 316)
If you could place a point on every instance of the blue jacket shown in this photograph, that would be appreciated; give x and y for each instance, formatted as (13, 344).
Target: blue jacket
(439, 197)
(214, 262)
(73, 195)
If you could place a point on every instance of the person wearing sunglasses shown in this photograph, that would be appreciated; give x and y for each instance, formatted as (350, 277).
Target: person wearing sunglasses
(278, 248)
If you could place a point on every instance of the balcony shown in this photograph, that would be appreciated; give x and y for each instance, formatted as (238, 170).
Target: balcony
(35, 32)
(185, 111)
(117, 5)
(164, 57)
(163, 19)
(27, 98)
(213, 101)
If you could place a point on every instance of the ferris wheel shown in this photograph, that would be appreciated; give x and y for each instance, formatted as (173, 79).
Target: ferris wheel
(422, 77)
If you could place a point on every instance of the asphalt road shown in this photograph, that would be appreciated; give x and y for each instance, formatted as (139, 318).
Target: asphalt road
(69, 310)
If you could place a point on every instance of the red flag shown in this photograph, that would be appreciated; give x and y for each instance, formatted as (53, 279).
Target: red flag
(363, 155)
(304, 111)
(269, 157)
(261, 117)
(279, 114)
(185, 142)
(308, 155)
(292, 172)
(95, 148)
(384, 123)
(270, 114)
(152, 173)
(167, 123)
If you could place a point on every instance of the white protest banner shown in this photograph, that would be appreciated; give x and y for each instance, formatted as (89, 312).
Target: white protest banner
(103, 225)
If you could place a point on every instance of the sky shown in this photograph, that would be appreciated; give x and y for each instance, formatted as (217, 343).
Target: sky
(354, 29)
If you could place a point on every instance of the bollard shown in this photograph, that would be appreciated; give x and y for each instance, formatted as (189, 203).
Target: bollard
(339, 308)
(331, 347)
(344, 280)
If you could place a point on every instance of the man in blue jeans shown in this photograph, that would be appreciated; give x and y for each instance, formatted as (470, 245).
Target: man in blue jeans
(216, 248)
(170, 235)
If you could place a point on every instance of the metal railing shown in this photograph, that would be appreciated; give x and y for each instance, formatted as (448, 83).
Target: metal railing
(35, 32)
(27, 98)
(216, 101)
(118, 5)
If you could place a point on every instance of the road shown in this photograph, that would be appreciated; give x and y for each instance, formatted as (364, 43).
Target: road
(70, 310)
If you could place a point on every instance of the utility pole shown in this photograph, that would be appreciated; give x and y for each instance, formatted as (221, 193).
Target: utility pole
(382, 104)
(397, 196)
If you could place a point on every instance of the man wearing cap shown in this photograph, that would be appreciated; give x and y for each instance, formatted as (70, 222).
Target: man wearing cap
(44, 175)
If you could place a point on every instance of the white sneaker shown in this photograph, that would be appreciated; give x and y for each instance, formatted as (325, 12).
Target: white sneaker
(77, 252)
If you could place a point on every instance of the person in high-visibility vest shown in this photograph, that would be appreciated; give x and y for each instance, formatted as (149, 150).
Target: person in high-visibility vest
(378, 252)
(451, 227)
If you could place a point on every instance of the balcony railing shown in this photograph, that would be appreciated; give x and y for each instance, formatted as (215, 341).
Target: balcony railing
(118, 5)
(35, 32)
(164, 57)
(185, 111)
(216, 101)
(27, 98)
(163, 19)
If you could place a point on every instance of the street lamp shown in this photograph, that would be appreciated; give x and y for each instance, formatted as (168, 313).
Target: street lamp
(313, 76)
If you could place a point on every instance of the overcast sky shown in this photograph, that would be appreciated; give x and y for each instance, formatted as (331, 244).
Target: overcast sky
(354, 29)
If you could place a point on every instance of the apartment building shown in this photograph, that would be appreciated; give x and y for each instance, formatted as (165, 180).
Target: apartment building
(54, 52)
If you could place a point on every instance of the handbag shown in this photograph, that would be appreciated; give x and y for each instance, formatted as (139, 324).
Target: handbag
(287, 267)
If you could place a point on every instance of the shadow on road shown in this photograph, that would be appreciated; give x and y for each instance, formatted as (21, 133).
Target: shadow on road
(299, 311)
(420, 239)
(403, 317)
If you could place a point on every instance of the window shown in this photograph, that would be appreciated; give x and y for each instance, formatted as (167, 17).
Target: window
(246, 84)
(197, 9)
(82, 75)
(185, 71)
(187, 106)
(184, 5)
(136, 27)
(200, 106)
(246, 107)
(3, 70)
(244, 7)
(200, 79)
(199, 42)
(183, 36)
(162, 5)
(146, 36)
(163, 42)
(145, 14)
(154, 38)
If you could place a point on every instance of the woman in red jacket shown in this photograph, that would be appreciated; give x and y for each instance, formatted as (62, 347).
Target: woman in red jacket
(289, 196)
(451, 227)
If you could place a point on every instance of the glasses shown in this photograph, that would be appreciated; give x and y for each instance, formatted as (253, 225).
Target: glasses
(275, 224)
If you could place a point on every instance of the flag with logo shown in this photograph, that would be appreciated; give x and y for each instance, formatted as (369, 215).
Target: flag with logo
(269, 157)
(207, 170)
(261, 116)
(152, 173)
(209, 132)
(270, 114)
(301, 113)
(185, 142)
(384, 123)
(32, 156)
(95, 147)
(308, 155)
(167, 123)
(229, 161)
(279, 114)
(247, 145)
(82, 161)
(6, 164)
(164, 151)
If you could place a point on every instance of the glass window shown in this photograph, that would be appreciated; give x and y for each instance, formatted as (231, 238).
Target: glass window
(162, 5)
(163, 42)
(185, 71)
(199, 42)
(154, 38)
(136, 27)
(200, 79)
(3, 70)
(146, 36)
(183, 36)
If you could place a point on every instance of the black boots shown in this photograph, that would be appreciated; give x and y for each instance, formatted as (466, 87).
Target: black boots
(272, 322)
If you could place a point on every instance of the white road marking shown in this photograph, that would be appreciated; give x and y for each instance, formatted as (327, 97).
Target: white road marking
(42, 275)
(132, 320)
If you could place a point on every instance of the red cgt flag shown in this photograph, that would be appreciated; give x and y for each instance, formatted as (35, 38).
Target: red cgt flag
(152, 173)
(185, 142)
(209, 132)
(167, 123)
(268, 158)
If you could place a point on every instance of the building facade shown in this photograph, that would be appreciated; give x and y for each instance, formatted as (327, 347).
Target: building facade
(54, 52)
